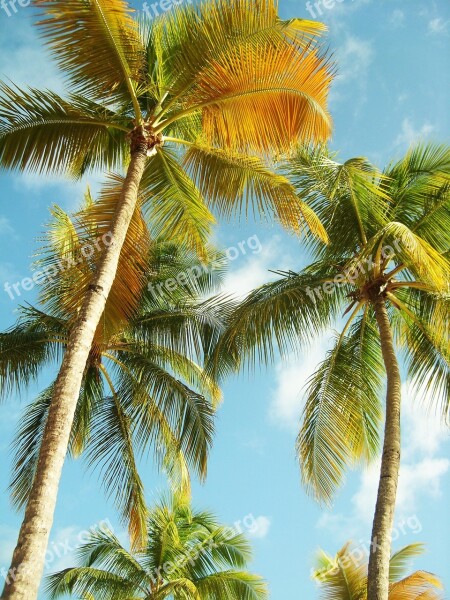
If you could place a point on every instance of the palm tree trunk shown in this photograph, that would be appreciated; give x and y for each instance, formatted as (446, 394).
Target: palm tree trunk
(380, 552)
(28, 560)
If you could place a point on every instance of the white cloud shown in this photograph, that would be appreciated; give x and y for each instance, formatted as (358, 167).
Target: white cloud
(397, 19)
(250, 270)
(5, 226)
(260, 528)
(422, 470)
(292, 374)
(437, 26)
(410, 134)
(354, 58)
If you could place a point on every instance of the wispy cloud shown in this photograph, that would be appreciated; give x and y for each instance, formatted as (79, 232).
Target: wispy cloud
(438, 26)
(260, 528)
(411, 134)
(291, 376)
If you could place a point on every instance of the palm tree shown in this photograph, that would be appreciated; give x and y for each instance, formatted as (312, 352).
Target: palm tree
(386, 270)
(344, 577)
(142, 387)
(188, 555)
(213, 83)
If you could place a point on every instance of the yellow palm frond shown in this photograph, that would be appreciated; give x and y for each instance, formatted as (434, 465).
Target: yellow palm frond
(233, 182)
(265, 98)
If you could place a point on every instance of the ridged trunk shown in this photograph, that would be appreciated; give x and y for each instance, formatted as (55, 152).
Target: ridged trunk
(29, 555)
(380, 552)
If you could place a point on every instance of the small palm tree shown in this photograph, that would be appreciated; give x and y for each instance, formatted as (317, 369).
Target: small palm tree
(386, 271)
(183, 103)
(188, 555)
(344, 577)
(141, 387)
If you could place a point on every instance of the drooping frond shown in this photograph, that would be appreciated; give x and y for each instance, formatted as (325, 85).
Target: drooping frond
(111, 450)
(234, 585)
(42, 132)
(36, 340)
(401, 561)
(235, 183)
(283, 315)
(97, 46)
(27, 445)
(422, 330)
(83, 581)
(343, 413)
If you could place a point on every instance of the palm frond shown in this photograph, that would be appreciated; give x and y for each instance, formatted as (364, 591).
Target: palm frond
(234, 182)
(111, 63)
(173, 205)
(343, 413)
(42, 132)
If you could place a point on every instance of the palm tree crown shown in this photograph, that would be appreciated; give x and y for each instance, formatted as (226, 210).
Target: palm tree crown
(188, 555)
(142, 386)
(390, 238)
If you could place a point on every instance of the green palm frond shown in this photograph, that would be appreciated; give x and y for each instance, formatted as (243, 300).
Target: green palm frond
(26, 445)
(37, 339)
(112, 451)
(111, 63)
(281, 315)
(422, 329)
(42, 132)
(173, 205)
(234, 585)
(343, 413)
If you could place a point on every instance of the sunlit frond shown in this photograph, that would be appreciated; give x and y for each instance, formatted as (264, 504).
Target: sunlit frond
(110, 64)
(236, 183)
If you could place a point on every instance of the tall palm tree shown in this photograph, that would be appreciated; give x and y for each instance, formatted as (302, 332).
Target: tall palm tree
(183, 102)
(386, 270)
(344, 577)
(188, 555)
(142, 388)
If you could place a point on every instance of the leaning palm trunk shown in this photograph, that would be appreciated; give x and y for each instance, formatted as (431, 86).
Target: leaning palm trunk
(28, 560)
(378, 581)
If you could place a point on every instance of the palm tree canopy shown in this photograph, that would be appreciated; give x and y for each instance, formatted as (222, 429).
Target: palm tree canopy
(344, 577)
(188, 556)
(389, 237)
(218, 87)
(143, 387)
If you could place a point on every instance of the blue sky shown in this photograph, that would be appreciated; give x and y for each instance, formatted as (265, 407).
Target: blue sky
(392, 89)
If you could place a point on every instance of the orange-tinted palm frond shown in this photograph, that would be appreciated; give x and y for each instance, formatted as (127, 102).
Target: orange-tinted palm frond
(72, 253)
(131, 275)
(96, 43)
(418, 586)
(265, 98)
